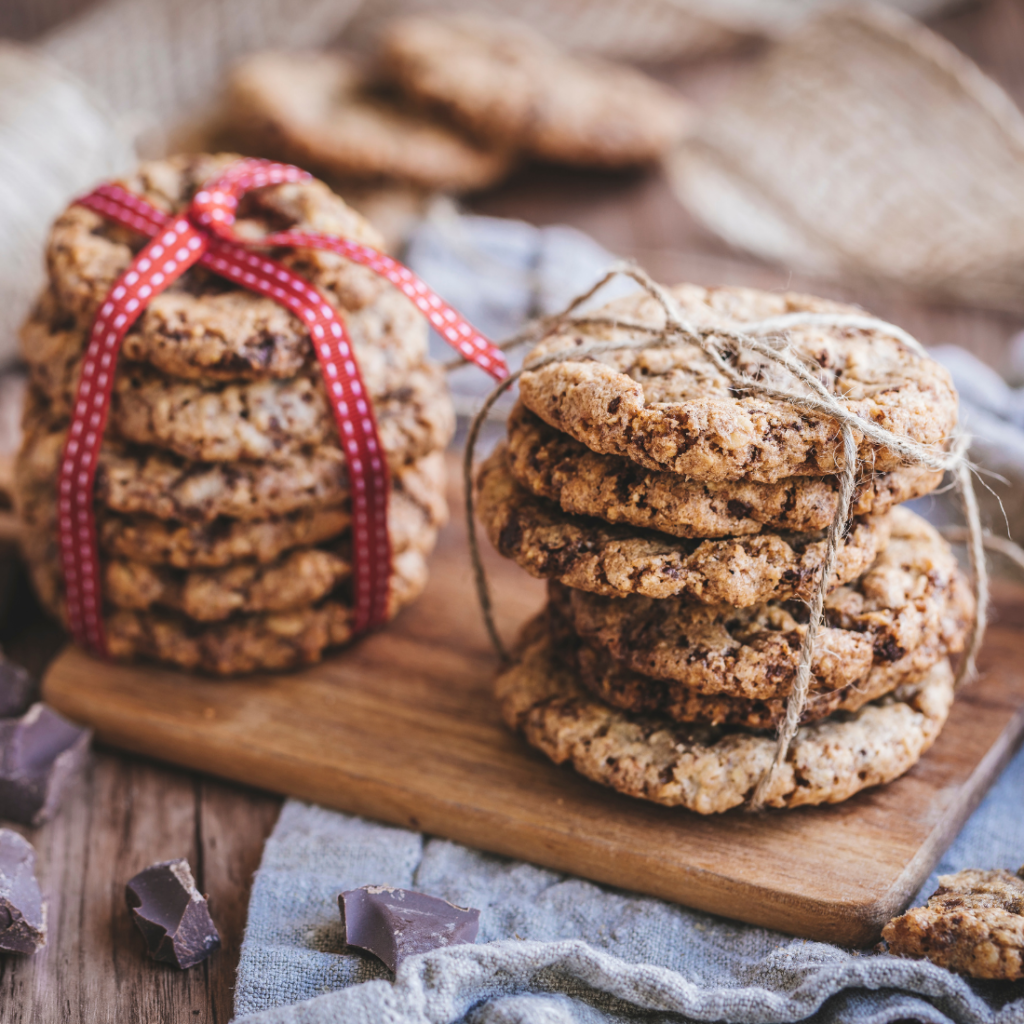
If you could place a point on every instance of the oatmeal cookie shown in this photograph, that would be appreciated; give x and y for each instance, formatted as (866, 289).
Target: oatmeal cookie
(554, 465)
(271, 419)
(389, 338)
(318, 110)
(592, 555)
(135, 480)
(416, 504)
(507, 84)
(248, 643)
(912, 607)
(416, 508)
(973, 923)
(641, 695)
(217, 421)
(710, 769)
(673, 409)
(203, 326)
(298, 579)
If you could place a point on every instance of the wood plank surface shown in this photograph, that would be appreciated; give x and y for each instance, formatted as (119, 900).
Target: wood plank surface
(403, 728)
(126, 812)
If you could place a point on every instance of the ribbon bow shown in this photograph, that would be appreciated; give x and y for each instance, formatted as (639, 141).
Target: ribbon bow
(204, 234)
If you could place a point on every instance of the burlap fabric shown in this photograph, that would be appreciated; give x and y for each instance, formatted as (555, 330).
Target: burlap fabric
(867, 147)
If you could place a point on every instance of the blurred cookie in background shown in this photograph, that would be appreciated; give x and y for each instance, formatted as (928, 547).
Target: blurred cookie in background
(510, 86)
(320, 110)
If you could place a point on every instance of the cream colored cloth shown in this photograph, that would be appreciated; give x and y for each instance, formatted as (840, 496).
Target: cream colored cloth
(866, 146)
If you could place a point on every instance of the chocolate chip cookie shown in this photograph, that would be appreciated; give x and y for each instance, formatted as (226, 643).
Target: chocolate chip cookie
(389, 338)
(416, 506)
(912, 607)
(203, 326)
(592, 555)
(554, 465)
(249, 643)
(973, 923)
(507, 84)
(673, 409)
(320, 111)
(271, 419)
(296, 580)
(712, 769)
(142, 480)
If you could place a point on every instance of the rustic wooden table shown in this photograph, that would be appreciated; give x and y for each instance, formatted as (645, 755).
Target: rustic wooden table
(126, 812)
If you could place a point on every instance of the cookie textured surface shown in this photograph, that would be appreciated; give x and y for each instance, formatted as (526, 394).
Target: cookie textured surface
(248, 643)
(203, 327)
(416, 505)
(910, 609)
(673, 409)
(211, 572)
(389, 338)
(554, 465)
(709, 769)
(641, 695)
(973, 923)
(592, 555)
(319, 111)
(504, 82)
(297, 580)
(140, 480)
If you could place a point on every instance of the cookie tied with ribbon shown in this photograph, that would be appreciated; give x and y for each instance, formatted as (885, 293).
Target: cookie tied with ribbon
(204, 235)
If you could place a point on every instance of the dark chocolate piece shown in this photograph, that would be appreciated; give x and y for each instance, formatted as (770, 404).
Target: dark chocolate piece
(171, 914)
(16, 689)
(22, 914)
(393, 924)
(39, 753)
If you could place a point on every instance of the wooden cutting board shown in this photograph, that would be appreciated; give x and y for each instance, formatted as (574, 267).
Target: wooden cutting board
(402, 728)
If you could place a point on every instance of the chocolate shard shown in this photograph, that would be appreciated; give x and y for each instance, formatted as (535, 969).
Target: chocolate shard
(22, 912)
(172, 914)
(17, 689)
(393, 924)
(39, 754)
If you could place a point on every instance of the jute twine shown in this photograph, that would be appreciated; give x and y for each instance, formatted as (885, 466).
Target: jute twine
(722, 345)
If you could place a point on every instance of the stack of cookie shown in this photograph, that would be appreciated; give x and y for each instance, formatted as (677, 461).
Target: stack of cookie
(222, 495)
(681, 524)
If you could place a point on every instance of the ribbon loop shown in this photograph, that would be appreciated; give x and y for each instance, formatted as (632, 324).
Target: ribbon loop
(206, 235)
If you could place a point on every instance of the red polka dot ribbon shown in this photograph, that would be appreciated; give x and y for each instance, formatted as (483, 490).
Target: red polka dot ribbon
(205, 235)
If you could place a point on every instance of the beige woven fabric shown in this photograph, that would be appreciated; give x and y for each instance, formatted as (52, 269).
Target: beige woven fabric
(157, 60)
(55, 140)
(646, 31)
(867, 146)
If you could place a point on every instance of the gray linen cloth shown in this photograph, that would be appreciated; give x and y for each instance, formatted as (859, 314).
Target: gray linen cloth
(554, 949)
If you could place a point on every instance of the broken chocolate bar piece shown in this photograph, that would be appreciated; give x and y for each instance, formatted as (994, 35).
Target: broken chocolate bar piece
(393, 924)
(171, 914)
(16, 689)
(39, 753)
(22, 913)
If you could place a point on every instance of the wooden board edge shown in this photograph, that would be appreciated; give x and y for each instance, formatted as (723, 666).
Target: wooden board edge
(849, 923)
(973, 791)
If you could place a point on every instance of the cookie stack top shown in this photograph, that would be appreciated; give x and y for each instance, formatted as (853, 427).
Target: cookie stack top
(222, 489)
(682, 521)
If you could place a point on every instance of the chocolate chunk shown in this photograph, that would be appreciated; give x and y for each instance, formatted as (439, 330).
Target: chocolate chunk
(39, 753)
(171, 914)
(16, 689)
(393, 924)
(22, 914)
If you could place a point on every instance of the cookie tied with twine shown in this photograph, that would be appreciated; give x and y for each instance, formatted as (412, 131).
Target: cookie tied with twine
(759, 362)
